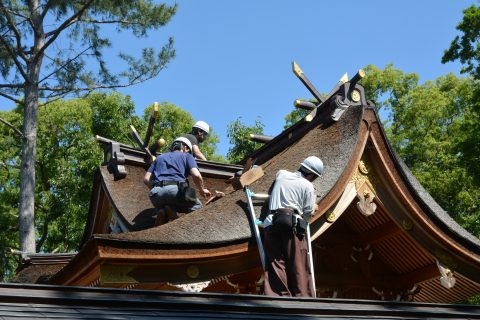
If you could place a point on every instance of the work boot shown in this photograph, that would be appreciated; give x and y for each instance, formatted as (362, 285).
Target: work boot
(171, 215)
(161, 218)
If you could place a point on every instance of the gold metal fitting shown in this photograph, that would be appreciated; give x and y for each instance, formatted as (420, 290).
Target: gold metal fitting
(193, 272)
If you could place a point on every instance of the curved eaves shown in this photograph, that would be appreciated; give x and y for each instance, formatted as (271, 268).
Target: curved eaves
(429, 205)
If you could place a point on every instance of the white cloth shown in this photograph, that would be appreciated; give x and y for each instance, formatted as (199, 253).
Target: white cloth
(291, 190)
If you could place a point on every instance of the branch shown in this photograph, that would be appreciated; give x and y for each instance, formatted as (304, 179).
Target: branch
(13, 27)
(127, 22)
(52, 35)
(64, 65)
(14, 57)
(10, 98)
(45, 10)
(12, 86)
(8, 124)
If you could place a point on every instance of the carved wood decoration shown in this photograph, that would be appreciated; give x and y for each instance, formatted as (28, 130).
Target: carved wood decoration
(115, 160)
(360, 187)
(365, 190)
(446, 276)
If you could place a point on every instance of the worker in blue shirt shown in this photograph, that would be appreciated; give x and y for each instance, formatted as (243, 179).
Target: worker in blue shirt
(166, 176)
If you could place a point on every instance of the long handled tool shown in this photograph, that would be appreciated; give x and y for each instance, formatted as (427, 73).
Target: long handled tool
(253, 220)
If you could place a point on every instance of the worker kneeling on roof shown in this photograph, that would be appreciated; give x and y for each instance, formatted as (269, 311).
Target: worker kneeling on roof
(168, 175)
(292, 203)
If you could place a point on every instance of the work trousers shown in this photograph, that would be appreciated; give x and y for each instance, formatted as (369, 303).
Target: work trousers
(287, 264)
(167, 195)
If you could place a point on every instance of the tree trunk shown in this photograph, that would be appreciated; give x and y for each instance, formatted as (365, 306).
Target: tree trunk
(26, 218)
(26, 208)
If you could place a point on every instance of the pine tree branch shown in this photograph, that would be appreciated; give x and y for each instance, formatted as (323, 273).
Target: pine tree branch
(53, 35)
(64, 65)
(126, 22)
(45, 10)
(59, 90)
(14, 57)
(8, 124)
(10, 98)
(13, 27)
(12, 86)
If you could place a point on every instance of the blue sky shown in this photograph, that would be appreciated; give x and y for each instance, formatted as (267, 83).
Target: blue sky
(234, 57)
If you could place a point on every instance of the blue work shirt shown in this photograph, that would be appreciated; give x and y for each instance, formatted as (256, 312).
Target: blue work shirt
(172, 166)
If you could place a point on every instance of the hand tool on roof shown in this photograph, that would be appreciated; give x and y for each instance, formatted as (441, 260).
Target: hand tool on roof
(215, 197)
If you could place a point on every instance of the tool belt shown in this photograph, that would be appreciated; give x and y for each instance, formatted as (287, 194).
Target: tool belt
(288, 219)
(167, 183)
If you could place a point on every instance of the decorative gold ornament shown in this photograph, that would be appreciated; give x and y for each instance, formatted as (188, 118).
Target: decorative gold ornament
(355, 95)
(193, 272)
(365, 190)
(362, 167)
(407, 224)
(330, 216)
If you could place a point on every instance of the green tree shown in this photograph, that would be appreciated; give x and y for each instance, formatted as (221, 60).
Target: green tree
(10, 140)
(466, 47)
(425, 127)
(112, 115)
(239, 138)
(296, 115)
(173, 122)
(44, 50)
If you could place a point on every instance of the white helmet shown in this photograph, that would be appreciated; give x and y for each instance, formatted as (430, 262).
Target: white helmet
(183, 140)
(313, 164)
(202, 125)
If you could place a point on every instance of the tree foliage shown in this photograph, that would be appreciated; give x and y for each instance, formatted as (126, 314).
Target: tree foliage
(173, 122)
(296, 115)
(425, 126)
(466, 47)
(49, 49)
(238, 134)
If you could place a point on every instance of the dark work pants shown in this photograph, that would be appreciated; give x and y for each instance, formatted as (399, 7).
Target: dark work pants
(288, 270)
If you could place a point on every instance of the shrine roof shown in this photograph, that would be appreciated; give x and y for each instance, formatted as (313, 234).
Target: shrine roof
(226, 219)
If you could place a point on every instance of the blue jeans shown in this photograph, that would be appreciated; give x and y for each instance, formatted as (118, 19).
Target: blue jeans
(167, 196)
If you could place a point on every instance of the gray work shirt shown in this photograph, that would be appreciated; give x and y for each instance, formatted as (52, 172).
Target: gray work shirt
(291, 190)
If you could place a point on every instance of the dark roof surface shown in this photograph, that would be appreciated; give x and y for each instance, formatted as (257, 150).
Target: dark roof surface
(130, 197)
(56, 302)
(226, 219)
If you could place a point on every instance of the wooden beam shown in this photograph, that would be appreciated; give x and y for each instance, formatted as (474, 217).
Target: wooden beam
(151, 123)
(380, 233)
(299, 73)
(259, 138)
(357, 77)
(306, 105)
(139, 140)
(426, 273)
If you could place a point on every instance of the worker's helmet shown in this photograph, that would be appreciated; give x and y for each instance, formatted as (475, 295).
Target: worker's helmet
(313, 164)
(181, 140)
(202, 125)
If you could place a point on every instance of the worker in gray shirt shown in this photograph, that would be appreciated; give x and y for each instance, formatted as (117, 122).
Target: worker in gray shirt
(292, 203)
